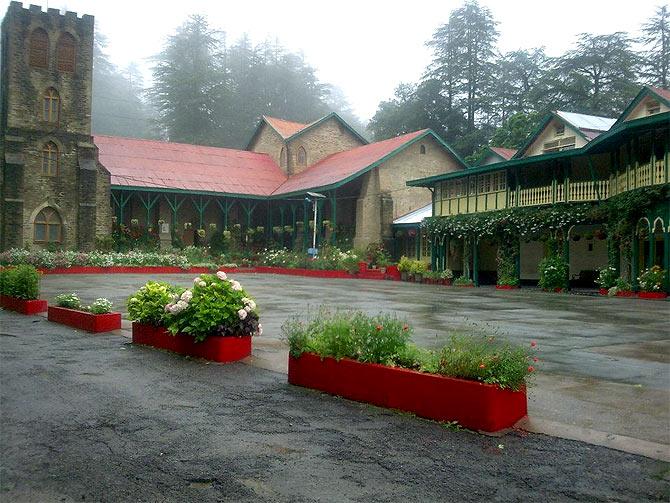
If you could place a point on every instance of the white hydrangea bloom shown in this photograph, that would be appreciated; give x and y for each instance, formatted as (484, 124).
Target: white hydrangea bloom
(221, 275)
(242, 314)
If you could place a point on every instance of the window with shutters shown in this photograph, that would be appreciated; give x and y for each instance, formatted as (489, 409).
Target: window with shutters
(65, 53)
(39, 49)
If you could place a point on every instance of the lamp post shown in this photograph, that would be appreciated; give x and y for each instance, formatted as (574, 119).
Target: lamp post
(313, 198)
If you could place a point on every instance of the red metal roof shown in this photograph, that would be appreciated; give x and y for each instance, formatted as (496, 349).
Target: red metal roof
(505, 153)
(665, 93)
(284, 128)
(158, 164)
(342, 165)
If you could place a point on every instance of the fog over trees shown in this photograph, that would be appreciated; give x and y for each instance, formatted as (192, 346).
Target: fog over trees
(212, 91)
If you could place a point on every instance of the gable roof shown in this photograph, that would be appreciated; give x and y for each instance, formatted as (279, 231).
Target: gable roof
(587, 126)
(291, 130)
(505, 153)
(662, 95)
(135, 163)
(342, 167)
(284, 128)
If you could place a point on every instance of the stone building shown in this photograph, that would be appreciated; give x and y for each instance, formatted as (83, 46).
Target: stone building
(53, 191)
(62, 187)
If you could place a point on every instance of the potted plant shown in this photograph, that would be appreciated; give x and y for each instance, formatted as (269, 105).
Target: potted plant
(607, 277)
(96, 318)
(215, 319)
(447, 276)
(553, 273)
(464, 281)
(651, 283)
(476, 381)
(621, 288)
(419, 268)
(19, 290)
(404, 267)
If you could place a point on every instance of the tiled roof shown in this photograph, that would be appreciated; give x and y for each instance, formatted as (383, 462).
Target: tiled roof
(665, 93)
(505, 153)
(158, 164)
(343, 165)
(284, 128)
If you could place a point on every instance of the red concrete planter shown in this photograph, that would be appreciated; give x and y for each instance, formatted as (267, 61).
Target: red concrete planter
(474, 405)
(311, 273)
(23, 306)
(362, 266)
(85, 269)
(392, 273)
(215, 347)
(237, 270)
(82, 320)
(603, 291)
(507, 287)
(652, 295)
(370, 274)
(625, 293)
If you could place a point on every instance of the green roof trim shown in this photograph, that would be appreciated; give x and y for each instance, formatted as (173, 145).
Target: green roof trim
(331, 115)
(538, 159)
(545, 122)
(335, 185)
(167, 190)
(644, 92)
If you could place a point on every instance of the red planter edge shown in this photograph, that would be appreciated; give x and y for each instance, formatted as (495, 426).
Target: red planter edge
(625, 293)
(474, 405)
(312, 273)
(23, 306)
(215, 348)
(652, 295)
(82, 320)
(507, 287)
(121, 269)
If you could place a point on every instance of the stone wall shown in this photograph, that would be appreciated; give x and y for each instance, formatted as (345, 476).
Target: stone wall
(385, 196)
(268, 141)
(327, 138)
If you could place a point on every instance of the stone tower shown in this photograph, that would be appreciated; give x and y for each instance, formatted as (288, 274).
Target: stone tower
(54, 192)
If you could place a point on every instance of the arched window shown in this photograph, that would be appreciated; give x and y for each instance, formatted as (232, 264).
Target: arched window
(39, 48)
(422, 149)
(48, 226)
(302, 156)
(65, 53)
(50, 159)
(51, 106)
(283, 159)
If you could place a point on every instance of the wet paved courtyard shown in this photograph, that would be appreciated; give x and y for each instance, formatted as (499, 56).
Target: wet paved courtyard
(605, 362)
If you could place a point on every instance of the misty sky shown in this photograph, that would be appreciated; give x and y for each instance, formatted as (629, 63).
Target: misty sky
(365, 47)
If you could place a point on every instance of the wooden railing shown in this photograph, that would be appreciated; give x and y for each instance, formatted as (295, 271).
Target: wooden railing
(642, 175)
(588, 191)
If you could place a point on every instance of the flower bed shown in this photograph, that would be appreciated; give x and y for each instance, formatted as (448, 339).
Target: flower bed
(196, 321)
(475, 381)
(23, 306)
(216, 348)
(19, 290)
(83, 320)
(652, 295)
(157, 269)
(472, 404)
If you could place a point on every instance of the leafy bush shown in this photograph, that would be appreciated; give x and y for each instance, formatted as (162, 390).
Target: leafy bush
(463, 281)
(651, 280)
(147, 305)
(22, 282)
(68, 258)
(68, 300)
(376, 255)
(418, 267)
(405, 264)
(553, 273)
(100, 306)
(215, 305)
(480, 358)
(607, 277)
(384, 339)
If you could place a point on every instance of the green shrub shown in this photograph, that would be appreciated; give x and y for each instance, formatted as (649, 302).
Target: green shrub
(100, 306)
(418, 267)
(405, 264)
(22, 282)
(147, 305)
(68, 300)
(553, 273)
(480, 358)
(651, 280)
(463, 281)
(607, 277)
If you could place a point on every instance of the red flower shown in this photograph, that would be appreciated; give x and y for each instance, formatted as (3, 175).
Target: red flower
(536, 359)
(379, 327)
(481, 366)
(531, 368)
(533, 344)
(405, 328)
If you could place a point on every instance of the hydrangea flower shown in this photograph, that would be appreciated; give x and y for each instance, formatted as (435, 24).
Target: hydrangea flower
(221, 275)
(242, 314)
